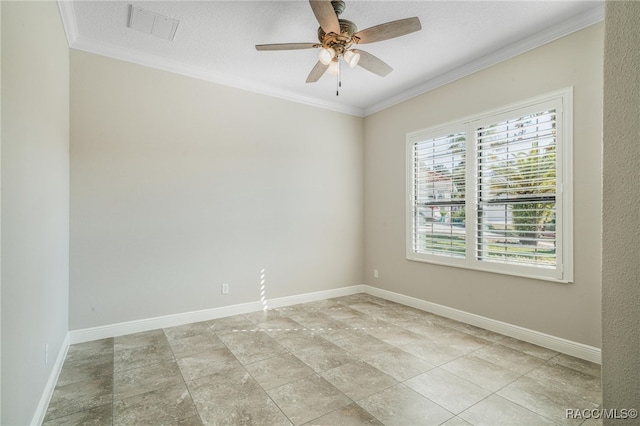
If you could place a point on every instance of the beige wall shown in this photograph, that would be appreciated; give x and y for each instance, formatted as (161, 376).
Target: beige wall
(620, 219)
(570, 311)
(179, 185)
(35, 202)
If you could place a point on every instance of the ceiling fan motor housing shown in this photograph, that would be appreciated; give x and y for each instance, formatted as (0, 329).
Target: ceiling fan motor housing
(339, 42)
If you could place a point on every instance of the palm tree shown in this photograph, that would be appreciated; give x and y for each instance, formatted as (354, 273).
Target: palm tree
(526, 181)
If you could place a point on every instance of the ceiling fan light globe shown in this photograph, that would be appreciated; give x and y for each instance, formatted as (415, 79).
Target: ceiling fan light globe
(351, 58)
(326, 55)
(334, 68)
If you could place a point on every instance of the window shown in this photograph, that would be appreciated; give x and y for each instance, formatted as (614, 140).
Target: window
(438, 212)
(493, 191)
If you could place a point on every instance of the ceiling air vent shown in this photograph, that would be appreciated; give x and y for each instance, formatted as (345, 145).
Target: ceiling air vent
(153, 23)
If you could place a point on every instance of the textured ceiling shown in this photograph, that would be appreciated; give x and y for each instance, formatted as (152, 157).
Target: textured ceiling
(215, 41)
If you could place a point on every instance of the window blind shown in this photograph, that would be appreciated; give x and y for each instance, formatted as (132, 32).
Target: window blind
(439, 172)
(516, 190)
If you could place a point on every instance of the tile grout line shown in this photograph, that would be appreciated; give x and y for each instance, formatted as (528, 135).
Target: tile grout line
(183, 378)
(491, 343)
(249, 373)
(318, 374)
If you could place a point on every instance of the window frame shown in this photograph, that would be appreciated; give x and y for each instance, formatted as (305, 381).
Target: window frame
(562, 102)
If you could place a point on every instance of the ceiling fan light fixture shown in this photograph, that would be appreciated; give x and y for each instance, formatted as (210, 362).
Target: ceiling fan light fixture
(326, 55)
(334, 68)
(351, 58)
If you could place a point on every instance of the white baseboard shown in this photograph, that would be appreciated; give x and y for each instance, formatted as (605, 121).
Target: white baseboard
(47, 393)
(559, 344)
(129, 327)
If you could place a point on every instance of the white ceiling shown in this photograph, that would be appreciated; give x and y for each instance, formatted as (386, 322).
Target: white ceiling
(215, 41)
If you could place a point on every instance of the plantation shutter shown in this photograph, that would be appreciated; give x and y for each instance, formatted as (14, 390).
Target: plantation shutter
(438, 196)
(515, 163)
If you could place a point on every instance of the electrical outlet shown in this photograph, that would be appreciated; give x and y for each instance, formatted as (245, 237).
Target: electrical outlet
(375, 273)
(225, 288)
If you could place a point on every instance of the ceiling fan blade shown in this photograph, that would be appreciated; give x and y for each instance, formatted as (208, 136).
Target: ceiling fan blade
(373, 64)
(317, 72)
(325, 15)
(388, 30)
(286, 46)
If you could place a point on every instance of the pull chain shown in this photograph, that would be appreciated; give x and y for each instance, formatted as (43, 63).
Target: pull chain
(338, 79)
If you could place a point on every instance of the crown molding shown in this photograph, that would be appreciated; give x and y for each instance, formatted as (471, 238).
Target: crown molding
(159, 63)
(76, 41)
(577, 23)
(68, 15)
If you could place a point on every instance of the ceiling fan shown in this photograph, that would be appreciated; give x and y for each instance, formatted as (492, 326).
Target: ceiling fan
(337, 38)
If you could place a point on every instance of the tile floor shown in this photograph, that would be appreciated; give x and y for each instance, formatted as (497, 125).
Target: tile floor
(346, 361)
